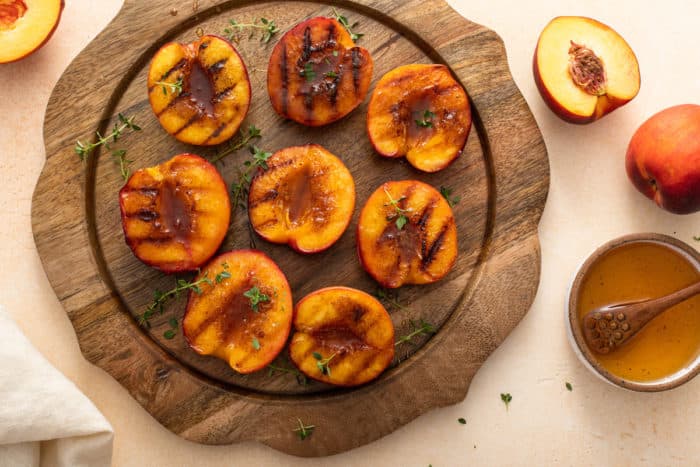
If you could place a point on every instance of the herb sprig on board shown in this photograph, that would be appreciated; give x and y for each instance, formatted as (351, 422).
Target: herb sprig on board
(304, 431)
(301, 377)
(83, 150)
(160, 298)
(267, 26)
(446, 193)
(243, 140)
(389, 297)
(422, 328)
(120, 159)
(240, 187)
(355, 36)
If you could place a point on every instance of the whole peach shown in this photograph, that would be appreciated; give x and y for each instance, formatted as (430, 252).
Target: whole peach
(663, 159)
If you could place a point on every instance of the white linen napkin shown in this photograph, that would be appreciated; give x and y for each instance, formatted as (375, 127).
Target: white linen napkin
(44, 418)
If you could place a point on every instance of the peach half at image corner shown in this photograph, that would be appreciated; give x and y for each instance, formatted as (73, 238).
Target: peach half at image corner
(26, 25)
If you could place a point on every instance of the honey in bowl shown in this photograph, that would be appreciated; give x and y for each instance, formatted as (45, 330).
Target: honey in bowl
(642, 270)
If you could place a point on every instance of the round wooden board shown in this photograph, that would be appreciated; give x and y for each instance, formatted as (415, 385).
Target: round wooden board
(502, 178)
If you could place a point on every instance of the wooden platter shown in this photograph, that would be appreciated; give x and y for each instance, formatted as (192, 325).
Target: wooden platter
(502, 178)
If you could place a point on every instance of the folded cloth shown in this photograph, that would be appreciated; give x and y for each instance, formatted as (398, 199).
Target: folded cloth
(44, 418)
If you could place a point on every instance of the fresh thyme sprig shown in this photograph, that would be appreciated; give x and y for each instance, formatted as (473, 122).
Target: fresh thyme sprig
(219, 278)
(427, 120)
(268, 27)
(569, 387)
(160, 298)
(506, 398)
(242, 141)
(323, 364)
(697, 239)
(447, 194)
(308, 72)
(385, 295)
(256, 297)
(170, 333)
(355, 36)
(400, 214)
(422, 327)
(120, 159)
(175, 88)
(301, 377)
(304, 431)
(240, 187)
(83, 150)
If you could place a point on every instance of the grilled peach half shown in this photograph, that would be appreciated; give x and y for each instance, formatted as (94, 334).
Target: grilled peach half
(419, 112)
(305, 198)
(175, 215)
(342, 336)
(406, 234)
(243, 312)
(200, 92)
(317, 74)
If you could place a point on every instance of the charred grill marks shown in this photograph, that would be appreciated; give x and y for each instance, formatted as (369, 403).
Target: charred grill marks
(285, 78)
(218, 66)
(356, 64)
(432, 251)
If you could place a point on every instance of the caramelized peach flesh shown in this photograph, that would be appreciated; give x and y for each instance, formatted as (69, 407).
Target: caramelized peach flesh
(244, 314)
(26, 25)
(305, 198)
(406, 234)
(175, 215)
(419, 112)
(584, 69)
(317, 74)
(200, 92)
(348, 329)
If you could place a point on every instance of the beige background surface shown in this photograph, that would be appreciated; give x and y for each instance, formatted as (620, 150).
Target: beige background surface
(590, 202)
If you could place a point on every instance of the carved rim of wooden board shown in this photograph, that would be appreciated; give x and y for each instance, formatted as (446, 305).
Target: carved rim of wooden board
(202, 410)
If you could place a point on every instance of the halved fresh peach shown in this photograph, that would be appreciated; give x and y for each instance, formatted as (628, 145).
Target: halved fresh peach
(305, 198)
(342, 336)
(26, 25)
(317, 74)
(419, 112)
(200, 92)
(243, 313)
(584, 69)
(406, 234)
(175, 215)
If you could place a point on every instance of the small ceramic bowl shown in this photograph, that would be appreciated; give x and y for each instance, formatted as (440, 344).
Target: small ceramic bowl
(575, 334)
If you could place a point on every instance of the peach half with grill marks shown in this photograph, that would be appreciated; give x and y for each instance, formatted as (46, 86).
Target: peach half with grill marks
(175, 215)
(200, 91)
(316, 74)
(406, 234)
(305, 198)
(26, 25)
(419, 112)
(342, 336)
(243, 314)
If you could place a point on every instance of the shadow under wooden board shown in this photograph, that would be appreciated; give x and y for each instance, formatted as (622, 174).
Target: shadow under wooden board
(502, 179)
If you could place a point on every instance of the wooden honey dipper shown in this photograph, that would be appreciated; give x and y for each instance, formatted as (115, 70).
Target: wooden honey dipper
(611, 326)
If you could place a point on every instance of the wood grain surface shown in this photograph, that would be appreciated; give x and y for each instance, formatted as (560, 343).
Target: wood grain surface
(502, 179)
